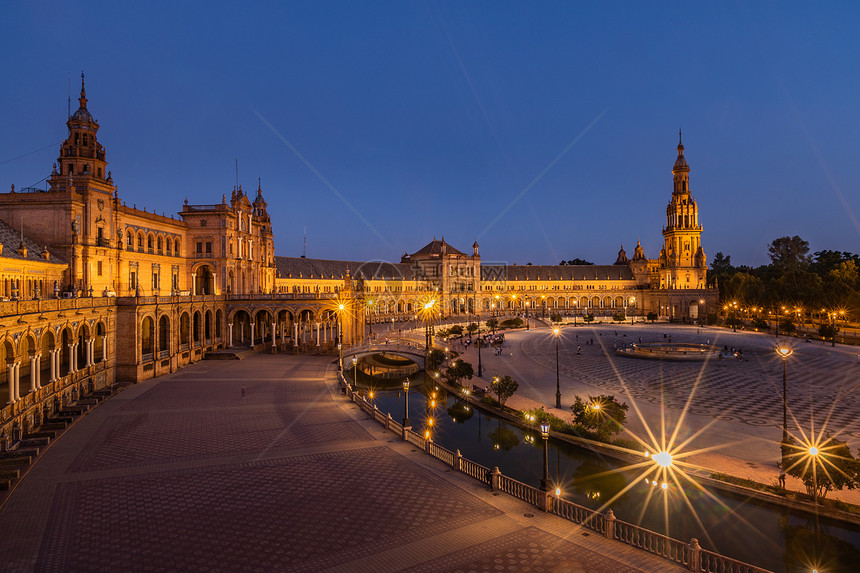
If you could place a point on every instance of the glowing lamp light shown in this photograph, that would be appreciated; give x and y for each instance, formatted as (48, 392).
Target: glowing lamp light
(557, 492)
(555, 331)
(664, 485)
(813, 451)
(663, 459)
(544, 429)
(341, 307)
(429, 421)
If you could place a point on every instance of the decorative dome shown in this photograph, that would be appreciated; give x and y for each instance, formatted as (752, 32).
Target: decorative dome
(681, 162)
(82, 115)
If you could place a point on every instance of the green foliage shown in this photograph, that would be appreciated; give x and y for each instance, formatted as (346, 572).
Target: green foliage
(588, 318)
(460, 412)
(760, 323)
(787, 325)
(788, 253)
(556, 317)
(504, 438)
(619, 317)
(512, 322)
(459, 370)
(602, 414)
(443, 332)
(504, 387)
(828, 331)
(834, 468)
(472, 328)
(652, 316)
(434, 358)
(576, 262)
(456, 330)
(492, 324)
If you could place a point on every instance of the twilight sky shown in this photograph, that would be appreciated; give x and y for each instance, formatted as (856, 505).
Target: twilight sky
(545, 130)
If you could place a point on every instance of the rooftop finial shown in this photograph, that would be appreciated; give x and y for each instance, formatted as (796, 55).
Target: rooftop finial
(679, 138)
(83, 98)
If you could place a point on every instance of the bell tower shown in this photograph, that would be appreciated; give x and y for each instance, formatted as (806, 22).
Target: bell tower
(81, 155)
(682, 260)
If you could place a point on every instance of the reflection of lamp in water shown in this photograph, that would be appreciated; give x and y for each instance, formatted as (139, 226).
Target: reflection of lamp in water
(544, 432)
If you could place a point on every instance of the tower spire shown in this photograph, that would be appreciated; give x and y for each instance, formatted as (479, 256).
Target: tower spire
(83, 98)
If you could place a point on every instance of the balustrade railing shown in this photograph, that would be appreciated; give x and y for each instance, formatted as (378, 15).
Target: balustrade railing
(689, 555)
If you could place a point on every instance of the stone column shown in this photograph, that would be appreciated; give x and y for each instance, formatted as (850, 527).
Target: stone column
(252, 334)
(318, 334)
(104, 347)
(230, 335)
(10, 379)
(72, 358)
(17, 381)
(295, 333)
(34, 362)
(53, 359)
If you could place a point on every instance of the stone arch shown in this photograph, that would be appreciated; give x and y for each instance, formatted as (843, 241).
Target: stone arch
(203, 275)
(81, 340)
(184, 329)
(196, 330)
(163, 334)
(147, 337)
(219, 320)
(159, 244)
(207, 326)
(241, 321)
(262, 321)
(66, 339)
(140, 245)
(100, 336)
(150, 247)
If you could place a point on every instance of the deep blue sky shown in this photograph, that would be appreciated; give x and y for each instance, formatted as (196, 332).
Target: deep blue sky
(433, 117)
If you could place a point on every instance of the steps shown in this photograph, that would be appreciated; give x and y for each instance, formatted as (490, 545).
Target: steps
(16, 461)
(229, 354)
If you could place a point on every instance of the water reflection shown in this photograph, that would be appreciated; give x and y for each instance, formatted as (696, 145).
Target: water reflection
(747, 530)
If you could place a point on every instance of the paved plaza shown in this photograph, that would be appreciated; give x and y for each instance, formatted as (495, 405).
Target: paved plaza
(735, 405)
(185, 473)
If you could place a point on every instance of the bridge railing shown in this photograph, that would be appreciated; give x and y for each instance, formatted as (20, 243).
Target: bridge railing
(689, 555)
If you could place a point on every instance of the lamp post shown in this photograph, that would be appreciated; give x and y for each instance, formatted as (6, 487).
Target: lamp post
(369, 315)
(480, 365)
(784, 351)
(340, 308)
(813, 451)
(527, 315)
(544, 432)
(406, 403)
(556, 333)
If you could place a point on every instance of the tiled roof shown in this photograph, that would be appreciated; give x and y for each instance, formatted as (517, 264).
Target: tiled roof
(11, 240)
(434, 247)
(294, 267)
(557, 272)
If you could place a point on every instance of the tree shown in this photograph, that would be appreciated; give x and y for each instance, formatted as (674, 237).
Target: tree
(555, 317)
(722, 265)
(588, 318)
(458, 370)
(472, 328)
(456, 330)
(619, 317)
(504, 387)
(789, 253)
(828, 331)
(576, 262)
(492, 323)
(434, 358)
(834, 468)
(652, 316)
(603, 415)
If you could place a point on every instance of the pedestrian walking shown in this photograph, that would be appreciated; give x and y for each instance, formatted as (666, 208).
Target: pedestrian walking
(243, 391)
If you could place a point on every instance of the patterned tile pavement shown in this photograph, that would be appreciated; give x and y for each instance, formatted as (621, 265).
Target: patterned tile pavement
(748, 391)
(183, 473)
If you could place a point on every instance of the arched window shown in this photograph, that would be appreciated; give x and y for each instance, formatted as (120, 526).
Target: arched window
(128, 240)
(149, 242)
(163, 333)
(146, 335)
(195, 333)
(176, 248)
(218, 319)
(140, 241)
(160, 245)
(183, 328)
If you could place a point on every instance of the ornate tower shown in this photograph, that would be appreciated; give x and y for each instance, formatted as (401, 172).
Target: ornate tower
(682, 260)
(82, 154)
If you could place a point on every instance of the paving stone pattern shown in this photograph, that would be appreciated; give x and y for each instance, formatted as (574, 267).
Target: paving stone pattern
(748, 391)
(527, 551)
(183, 474)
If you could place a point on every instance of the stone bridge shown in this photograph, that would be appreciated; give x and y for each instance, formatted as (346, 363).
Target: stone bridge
(414, 351)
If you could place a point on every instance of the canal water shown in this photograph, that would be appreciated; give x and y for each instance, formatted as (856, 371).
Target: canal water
(760, 534)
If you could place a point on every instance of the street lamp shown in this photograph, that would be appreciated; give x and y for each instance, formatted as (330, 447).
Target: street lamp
(369, 315)
(340, 308)
(406, 403)
(813, 451)
(555, 333)
(784, 351)
(527, 315)
(480, 364)
(544, 432)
